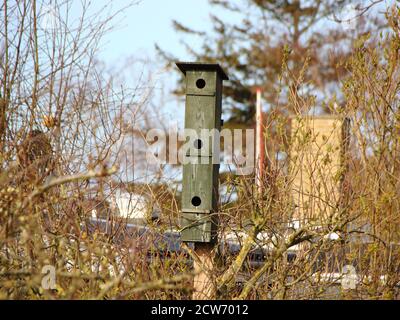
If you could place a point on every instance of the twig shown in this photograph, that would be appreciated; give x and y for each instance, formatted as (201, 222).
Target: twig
(66, 179)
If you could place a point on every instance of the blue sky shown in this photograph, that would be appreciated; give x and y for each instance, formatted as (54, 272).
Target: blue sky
(136, 31)
(150, 22)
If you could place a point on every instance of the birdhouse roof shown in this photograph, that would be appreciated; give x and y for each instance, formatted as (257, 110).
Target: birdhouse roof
(200, 66)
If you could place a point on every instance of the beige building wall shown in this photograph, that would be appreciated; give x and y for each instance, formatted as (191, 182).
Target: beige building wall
(316, 165)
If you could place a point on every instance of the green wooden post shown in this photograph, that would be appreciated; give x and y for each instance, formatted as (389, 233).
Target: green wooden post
(200, 179)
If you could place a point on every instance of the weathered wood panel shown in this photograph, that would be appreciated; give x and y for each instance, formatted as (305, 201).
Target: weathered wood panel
(200, 174)
(316, 165)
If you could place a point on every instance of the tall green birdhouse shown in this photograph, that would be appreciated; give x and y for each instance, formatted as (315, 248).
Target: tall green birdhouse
(200, 172)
